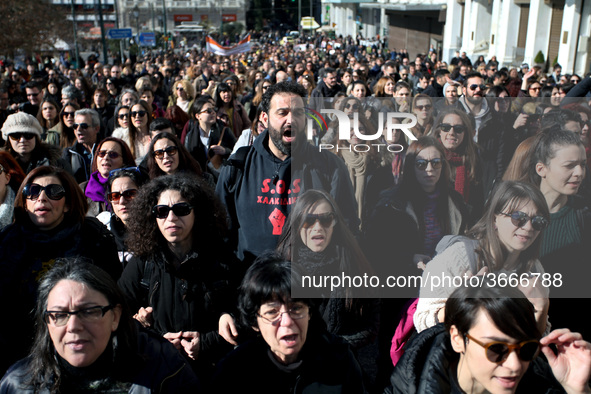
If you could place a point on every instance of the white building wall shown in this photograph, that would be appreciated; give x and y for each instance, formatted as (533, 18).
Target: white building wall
(451, 31)
(538, 30)
(569, 34)
(506, 34)
(584, 47)
(478, 26)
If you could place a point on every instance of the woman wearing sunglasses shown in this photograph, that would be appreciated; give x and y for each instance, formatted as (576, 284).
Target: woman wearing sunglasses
(506, 240)
(174, 282)
(22, 133)
(183, 95)
(557, 164)
(111, 154)
(167, 156)
(490, 343)
(65, 126)
(454, 129)
(422, 108)
(121, 188)
(134, 128)
(208, 140)
(49, 222)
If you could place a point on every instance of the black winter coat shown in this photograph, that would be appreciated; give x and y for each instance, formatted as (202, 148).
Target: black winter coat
(159, 369)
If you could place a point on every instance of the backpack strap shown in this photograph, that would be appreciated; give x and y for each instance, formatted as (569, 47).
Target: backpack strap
(148, 269)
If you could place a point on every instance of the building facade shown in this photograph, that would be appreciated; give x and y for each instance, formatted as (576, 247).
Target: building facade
(514, 31)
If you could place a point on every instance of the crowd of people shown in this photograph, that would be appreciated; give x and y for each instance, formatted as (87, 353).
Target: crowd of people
(158, 217)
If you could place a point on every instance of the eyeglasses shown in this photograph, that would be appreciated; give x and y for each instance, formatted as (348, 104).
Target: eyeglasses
(326, 220)
(575, 80)
(53, 191)
(180, 209)
(498, 351)
(128, 194)
(170, 151)
(111, 153)
(66, 114)
(32, 94)
(519, 219)
(297, 310)
(123, 116)
(135, 114)
(476, 86)
(18, 136)
(458, 128)
(354, 107)
(403, 75)
(422, 164)
(180, 88)
(266, 87)
(83, 126)
(209, 111)
(86, 315)
(423, 107)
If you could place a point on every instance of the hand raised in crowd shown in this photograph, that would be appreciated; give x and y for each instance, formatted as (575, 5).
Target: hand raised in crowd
(520, 121)
(571, 364)
(539, 297)
(227, 329)
(144, 316)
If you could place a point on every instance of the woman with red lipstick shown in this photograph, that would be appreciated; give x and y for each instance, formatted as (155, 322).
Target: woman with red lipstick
(292, 352)
(49, 222)
(455, 131)
(174, 283)
(505, 240)
(557, 165)
(111, 154)
(491, 343)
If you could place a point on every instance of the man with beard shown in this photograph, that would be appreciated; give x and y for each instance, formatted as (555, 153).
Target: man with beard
(473, 101)
(262, 181)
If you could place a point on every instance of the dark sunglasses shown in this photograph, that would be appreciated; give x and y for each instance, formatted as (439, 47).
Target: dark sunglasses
(209, 111)
(18, 136)
(422, 164)
(32, 94)
(83, 126)
(112, 154)
(135, 114)
(53, 191)
(180, 209)
(326, 220)
(476, 86)
(498, 351)
(354, 107)
(180, 88)
(131, 169)
(519, 219)
(171, 151)
(123, 116)
(458, 128)
(423, 107)
(66, 114)
(128, 194)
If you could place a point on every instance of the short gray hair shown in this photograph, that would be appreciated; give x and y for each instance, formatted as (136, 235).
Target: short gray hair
(94, 116)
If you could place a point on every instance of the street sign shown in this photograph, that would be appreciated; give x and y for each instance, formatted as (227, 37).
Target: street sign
(147, 39)
(115, 34)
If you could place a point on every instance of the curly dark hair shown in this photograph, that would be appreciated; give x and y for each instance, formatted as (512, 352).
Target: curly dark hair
(209, 230)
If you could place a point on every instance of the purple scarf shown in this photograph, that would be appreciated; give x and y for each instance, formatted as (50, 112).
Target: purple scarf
(96, 187)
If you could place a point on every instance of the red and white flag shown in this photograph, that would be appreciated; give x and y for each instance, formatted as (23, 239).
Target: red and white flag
(215, 47)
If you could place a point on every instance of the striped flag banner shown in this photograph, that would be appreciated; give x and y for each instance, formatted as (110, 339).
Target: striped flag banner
(215, 47)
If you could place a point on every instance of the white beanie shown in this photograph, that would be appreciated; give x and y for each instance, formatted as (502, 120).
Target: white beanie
(21, 122)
